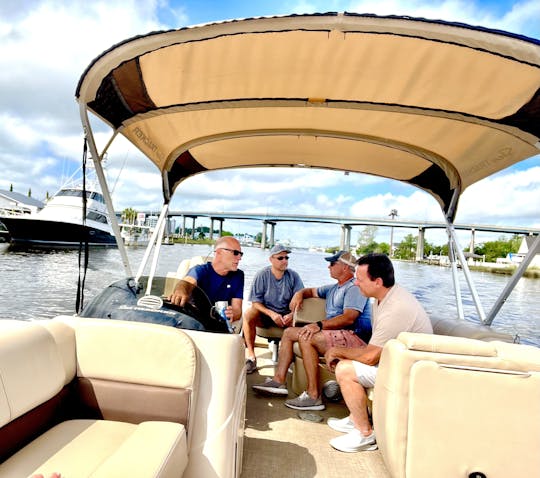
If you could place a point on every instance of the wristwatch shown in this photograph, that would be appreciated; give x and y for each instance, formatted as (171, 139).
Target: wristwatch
(319, 323)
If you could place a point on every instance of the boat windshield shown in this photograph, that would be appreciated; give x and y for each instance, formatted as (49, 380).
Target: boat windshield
(78, 193)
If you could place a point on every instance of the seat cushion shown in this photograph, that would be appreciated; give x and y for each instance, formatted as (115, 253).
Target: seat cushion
(101, 448)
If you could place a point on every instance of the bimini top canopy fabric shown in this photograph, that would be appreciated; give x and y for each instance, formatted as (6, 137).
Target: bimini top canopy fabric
(430, 103)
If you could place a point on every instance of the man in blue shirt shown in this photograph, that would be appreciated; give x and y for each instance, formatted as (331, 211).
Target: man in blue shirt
(271, 292)
(220, 279)
(348, 314)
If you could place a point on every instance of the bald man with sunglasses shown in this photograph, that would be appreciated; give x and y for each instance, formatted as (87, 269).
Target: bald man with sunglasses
(220, 279)
(271, 292)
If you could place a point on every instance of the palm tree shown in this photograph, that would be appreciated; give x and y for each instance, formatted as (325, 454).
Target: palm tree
(129, 215)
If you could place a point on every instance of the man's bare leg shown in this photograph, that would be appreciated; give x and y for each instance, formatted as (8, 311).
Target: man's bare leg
(251, 318)
(311, 349)
(290, 336)
(354, 395)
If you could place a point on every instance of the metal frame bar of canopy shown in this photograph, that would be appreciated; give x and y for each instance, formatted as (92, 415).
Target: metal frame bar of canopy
(97, 158)
(157, 234)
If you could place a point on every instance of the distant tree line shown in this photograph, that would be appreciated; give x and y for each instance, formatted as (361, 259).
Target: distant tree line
(406, 249)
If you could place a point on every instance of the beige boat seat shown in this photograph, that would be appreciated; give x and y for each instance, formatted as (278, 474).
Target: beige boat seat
(310, 312)
(458, 407)
(273, 335)
(464, 328)
(75, 399)
(106, 398)
(173, 277)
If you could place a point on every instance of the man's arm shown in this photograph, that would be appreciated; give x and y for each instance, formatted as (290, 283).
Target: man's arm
(341, 321)
(236, 305)
(370, 355)
(298, 298)
(181, 293)
(335, 323)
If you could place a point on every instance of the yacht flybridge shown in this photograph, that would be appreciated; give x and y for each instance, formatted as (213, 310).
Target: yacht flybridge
(433, 104)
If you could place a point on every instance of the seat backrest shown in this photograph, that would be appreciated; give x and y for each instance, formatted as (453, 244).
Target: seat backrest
(134, 372)
(31, 383)
(313, 310)
(441, 406)
(172, 278)
(463, 328)
(187, 264)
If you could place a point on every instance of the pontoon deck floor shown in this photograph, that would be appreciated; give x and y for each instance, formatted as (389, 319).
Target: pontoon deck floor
(278, 443)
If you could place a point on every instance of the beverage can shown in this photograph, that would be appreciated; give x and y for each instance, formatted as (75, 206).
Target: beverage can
(220, 307)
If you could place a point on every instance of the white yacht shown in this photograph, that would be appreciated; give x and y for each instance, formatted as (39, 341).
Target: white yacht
(62, 223)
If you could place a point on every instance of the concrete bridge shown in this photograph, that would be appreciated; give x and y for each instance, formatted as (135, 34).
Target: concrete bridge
(346, 224)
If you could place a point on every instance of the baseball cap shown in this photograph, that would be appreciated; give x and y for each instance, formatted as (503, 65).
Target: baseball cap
(279, 248)
(342, 256)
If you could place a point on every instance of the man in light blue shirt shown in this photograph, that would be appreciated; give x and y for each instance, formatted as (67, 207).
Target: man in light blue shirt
(347, 311)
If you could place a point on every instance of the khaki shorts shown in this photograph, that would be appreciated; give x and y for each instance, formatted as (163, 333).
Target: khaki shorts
(366, 373)
(342, 338)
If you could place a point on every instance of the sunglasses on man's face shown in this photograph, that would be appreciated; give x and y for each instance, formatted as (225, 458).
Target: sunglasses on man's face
(280, 258)
(235, 252)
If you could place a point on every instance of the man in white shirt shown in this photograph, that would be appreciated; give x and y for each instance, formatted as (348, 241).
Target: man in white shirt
(395, 310)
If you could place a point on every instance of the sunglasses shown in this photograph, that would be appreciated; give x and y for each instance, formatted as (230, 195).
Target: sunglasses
(280, 258)
(235, 252)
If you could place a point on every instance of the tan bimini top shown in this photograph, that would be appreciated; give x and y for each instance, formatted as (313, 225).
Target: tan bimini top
(437, 105)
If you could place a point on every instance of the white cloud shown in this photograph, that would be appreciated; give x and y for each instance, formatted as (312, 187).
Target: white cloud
(485, 200)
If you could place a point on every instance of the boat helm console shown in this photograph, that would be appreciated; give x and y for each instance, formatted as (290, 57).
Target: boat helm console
(125, 300)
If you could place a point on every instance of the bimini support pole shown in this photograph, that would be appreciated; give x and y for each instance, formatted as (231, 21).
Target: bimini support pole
(455, 276)
(155, 241)
(535, 249)
(97, 158)
(465, 267)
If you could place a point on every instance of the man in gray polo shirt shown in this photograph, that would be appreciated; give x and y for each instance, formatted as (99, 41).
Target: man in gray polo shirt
(271, 292)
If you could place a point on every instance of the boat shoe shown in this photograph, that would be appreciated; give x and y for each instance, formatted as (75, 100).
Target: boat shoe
(343, 425)
(354, 441)
(272, 387)
(305, 402)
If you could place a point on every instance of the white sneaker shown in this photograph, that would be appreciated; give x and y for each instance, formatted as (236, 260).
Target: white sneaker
(354, 441)
(343, 425)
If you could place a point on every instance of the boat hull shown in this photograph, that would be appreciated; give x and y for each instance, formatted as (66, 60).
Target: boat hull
(26, 231)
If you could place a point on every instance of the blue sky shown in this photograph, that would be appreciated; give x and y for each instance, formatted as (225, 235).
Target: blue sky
(46, 45)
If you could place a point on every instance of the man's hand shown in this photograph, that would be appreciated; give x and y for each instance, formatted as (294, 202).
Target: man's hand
(281, 320)
(308, 331)
(182, 293)
(331, 358)
(288, 319)
(296, 301)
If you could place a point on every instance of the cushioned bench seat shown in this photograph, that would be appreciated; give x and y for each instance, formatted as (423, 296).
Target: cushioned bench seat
(457, 407)
(105, 398)
(103, 448)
